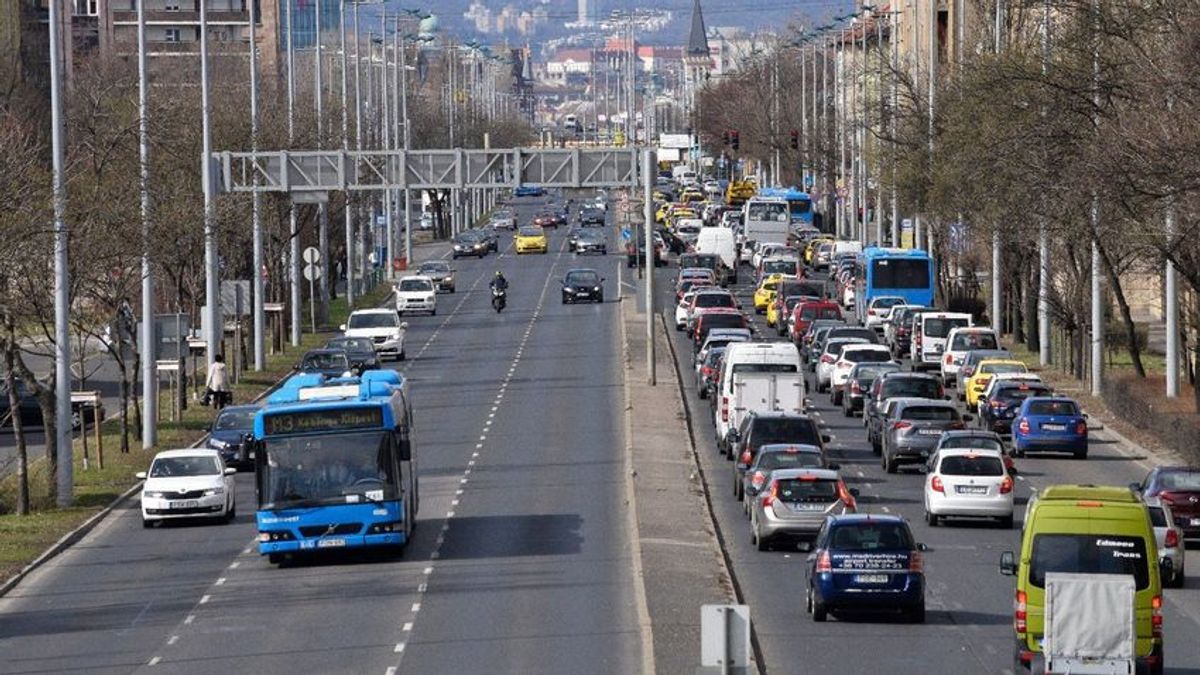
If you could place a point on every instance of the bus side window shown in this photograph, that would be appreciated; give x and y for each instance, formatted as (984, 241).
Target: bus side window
(404, 445)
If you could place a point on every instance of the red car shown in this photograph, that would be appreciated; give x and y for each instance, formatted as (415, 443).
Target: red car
(716, 317)
(546, 219)
(806, 312)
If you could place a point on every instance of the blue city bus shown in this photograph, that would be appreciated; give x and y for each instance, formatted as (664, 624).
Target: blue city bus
(335, 466)
(800, 209)
(906, 273)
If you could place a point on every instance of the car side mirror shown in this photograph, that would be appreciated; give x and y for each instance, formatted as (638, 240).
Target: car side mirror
(922, 547)
(342, 327)
(1136, 487)
(834, 466)
(1008, 564)
(229, 471)
(946, 397)
(141, 475)
(854, 492)
(825, 438)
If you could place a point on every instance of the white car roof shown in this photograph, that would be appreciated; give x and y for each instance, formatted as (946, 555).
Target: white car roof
(188, 452)
(377, 310)
(416, 277)
(864, 347)
(958, 452)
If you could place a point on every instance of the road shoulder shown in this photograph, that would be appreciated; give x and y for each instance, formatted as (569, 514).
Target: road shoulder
(675, 545)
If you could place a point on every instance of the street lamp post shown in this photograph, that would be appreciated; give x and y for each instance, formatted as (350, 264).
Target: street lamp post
(293, 222)
(64, 452)
(212, 276)
(348, 211)
(149, 373)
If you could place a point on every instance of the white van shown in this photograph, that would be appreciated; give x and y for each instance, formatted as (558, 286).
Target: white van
(930, 330)
(844, 246)
(719, 241)
(753, 357)
(958, 343)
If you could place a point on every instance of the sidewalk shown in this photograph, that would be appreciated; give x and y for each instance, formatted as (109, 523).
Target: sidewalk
(681, 563)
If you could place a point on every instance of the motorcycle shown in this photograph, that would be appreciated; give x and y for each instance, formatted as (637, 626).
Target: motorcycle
(499, 299)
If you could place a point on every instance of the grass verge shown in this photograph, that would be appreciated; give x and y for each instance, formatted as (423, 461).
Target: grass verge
(23, 538)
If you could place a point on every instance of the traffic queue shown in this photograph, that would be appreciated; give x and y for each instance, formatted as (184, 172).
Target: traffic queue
(936, 392)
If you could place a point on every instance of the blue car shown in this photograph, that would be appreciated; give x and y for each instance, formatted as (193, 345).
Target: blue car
(230, 431)
(528, 191)
(866, 562)
(1050, 423)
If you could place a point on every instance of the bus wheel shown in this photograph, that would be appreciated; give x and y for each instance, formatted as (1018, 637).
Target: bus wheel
(275, 558)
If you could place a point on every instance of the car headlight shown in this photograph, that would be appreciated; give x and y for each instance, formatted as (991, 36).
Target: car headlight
(217, 443)
(214, 491)
(398, 336)
(568, 289)
(597, 289)
(430, 298)
(152, 494)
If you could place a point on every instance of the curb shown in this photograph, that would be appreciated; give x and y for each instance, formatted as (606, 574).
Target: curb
(712, 516)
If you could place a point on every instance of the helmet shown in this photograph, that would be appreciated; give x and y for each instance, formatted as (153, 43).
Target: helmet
(499, 273)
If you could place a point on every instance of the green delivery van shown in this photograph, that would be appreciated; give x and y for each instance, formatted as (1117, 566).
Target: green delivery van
(1089, 530)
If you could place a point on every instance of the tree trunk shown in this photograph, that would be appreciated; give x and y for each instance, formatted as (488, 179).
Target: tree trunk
(124, 405)
(1031, 314)
(46, 399)
(14, 406)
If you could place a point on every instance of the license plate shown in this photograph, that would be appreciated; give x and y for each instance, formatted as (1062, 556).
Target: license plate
(930, 432)
(185, 505)
(1195, 522)
(1054, 427)
(972, 489)
(330, 543)
(581, 293)
(870, 578)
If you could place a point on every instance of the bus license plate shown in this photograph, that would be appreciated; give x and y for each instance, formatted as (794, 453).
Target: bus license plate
(330, 543)
(871, 578)
(185, 505)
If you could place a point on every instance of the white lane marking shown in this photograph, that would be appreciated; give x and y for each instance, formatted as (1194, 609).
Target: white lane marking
(190, 618)
(390, 671)
(886, 510)
(422, 587)
(204, 600)
(416, 607)
(154, 661)
(427, 570)
(407, 628)
(173, 639)
(221, 581)
(453, 502)
(234, 565)
(399, 649)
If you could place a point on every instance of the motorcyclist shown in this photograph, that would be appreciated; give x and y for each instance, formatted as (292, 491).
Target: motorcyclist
(499, 282)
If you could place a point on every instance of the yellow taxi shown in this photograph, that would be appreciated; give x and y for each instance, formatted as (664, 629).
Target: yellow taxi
(661, 214)
(978, 382)
(765, 293)
(811, 248)
(531, 239)
(692, 195)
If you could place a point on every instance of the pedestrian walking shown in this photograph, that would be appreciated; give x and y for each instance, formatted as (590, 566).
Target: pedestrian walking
(216, 387)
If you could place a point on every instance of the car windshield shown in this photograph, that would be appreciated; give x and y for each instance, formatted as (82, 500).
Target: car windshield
(798, 431)
(799, 490)
(1088, 554)
(235, 420)
(583, 279)
(329, 361)
(976, 442)
(870, 537)
(834, 348)
(971, 465)
(328, 468)
(723, 321)
(415, 285)
(865, 334)
(915, 387)
(1052, 408)
(351, 344)
(940, 328)
(869, 373)
(175, 467)
(714, 300)
(434, 268)
(929, 413)
(993, 368)
(714, 355)
(968, 341)
(373, 320)
(528, 231)
(1180, 480)
(779, 266)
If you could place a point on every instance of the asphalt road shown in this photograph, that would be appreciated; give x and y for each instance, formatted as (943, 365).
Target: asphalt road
(520, 563)
(969, 619)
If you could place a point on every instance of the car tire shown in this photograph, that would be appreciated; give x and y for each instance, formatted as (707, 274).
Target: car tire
(761, 542)
(1006, 522)
(820, 613)
(837, 397)
(1081, 454)
(231, 514)
(1018, 452)
(564, 299)
(702, 392)
(147, 523)
(402, 356)
(847, 412)
(1179, 580)
(889, 464)
(931, 519)
(433, 312)
(275, 558)
(917, 614)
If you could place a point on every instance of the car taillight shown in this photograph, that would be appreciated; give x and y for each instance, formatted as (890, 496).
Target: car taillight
(1023, 426)
(1156, 618)
(745, 457)
(1080, 428)
(724, 408)
(936, 485)
(826, 358)
(949, 360)
(996, 404)
(1006, 485)
(901, 425)
(757, 479)
(901, 331)
(1019, 612)
(845, 496)
(916, 562)
(855, 387)
(824, 563)
(1172, 539)
(941, 391)
(769, 499)
(918, 340)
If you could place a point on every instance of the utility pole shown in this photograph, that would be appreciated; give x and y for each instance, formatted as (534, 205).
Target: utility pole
(323, 207)
(348, 211)
(293, 222)
(148, 346)
(64, 451)
(1043, 239)
(407, 147)
(212, 275)
(260, 355)
(997, 281)
(648, 227)
(1097, 277)
(895, 45)
(385, 125)
(1172, 293)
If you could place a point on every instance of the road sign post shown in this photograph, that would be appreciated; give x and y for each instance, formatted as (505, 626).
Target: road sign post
(724, 639)
(312, 272)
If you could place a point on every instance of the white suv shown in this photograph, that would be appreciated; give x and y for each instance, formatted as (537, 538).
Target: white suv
(383, 326)
(416, 293)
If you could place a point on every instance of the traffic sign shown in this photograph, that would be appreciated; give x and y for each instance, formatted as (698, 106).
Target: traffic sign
(311, 255)
(312, 272)
(626, 233)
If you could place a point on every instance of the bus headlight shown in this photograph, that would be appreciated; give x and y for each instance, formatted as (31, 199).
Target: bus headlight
(386, 528)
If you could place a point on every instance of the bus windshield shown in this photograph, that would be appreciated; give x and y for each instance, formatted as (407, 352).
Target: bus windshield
(900, 273)
(342, 468)
(768, 211)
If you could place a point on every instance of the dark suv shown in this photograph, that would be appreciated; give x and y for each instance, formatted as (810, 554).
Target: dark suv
(893, 385)
(763, 428)
(912, 429)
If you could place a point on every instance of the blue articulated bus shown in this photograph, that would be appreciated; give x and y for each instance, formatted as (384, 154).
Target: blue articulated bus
(898, 272)
(335, 466)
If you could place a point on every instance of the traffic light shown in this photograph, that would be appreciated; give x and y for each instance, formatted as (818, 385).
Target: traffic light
(725, 137)
(734, 140)
(795, 140)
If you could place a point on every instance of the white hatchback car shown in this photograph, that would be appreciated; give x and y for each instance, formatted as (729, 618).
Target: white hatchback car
(193, 483)
(382, 326)
(681, 310)
(969, 482)
(851, 356)
(416, 293)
